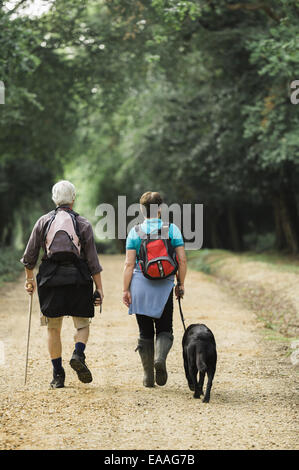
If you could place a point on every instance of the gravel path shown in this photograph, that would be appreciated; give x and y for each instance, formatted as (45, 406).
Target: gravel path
(253, 404)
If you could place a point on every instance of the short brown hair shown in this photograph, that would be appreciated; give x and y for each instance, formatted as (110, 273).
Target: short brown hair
(150, 198)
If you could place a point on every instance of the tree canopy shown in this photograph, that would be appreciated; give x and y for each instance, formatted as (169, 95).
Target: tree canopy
(190, 98)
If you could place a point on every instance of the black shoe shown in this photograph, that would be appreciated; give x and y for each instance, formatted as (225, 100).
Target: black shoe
(78, 364)
(58, 379)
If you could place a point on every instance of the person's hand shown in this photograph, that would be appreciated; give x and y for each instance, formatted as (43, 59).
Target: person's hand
(127, 300)
(98, 300)
(30, 286)
(179, 291)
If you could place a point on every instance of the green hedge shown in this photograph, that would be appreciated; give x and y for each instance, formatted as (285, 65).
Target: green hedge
(10, 265)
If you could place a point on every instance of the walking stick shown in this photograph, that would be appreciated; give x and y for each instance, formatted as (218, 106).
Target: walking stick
(28, 335)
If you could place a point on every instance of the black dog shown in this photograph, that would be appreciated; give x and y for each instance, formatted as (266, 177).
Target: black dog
(199, 353)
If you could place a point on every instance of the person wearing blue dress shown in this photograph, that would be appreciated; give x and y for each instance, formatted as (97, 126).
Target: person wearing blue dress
(152, 300)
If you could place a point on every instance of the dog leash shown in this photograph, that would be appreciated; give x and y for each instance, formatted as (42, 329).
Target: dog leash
(181, 313)
(180, 307)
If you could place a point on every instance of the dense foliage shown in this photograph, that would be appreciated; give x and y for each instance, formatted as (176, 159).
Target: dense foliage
(190, 98)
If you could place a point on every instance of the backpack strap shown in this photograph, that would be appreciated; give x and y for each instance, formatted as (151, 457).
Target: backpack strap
(74, 216)
(142, 234)
(47, 227)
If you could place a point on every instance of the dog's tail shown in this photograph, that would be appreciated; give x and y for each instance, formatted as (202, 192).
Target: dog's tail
(201, 361)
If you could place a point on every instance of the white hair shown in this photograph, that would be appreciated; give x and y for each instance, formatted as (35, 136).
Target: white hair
(63, 192)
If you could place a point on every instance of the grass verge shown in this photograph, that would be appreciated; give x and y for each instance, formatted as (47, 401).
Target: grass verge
(265, 283)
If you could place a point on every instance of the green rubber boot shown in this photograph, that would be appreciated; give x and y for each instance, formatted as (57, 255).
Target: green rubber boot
(146, 351)
(164, 342)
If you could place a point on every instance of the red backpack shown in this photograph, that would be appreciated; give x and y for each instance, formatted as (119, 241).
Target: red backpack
(157, 257)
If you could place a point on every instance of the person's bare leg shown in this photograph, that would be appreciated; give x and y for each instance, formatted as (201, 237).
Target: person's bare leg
(55, 350)
(54, 342)
(82, 335)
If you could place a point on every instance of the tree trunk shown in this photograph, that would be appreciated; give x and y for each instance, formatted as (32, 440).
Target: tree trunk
(207, 243)
(215, 235)
(287, 224)
(291, 203)
(121, 245)
(280, 241)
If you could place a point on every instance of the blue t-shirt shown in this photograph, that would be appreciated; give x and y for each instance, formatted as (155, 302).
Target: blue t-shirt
(148, 226)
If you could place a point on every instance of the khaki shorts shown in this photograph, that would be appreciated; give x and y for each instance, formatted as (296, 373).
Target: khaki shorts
(79, 322)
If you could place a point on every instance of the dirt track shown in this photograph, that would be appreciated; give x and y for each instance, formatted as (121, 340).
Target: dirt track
(253, 401)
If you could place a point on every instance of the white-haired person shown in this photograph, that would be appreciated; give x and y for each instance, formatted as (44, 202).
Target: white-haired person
(69, 267)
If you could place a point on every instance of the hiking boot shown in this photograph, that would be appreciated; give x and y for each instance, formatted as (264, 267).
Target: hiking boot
(146, 351)
(163, 345)
(58, 379)
(77, 363)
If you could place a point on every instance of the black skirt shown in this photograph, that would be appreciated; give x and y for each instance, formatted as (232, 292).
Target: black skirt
(65, 289)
